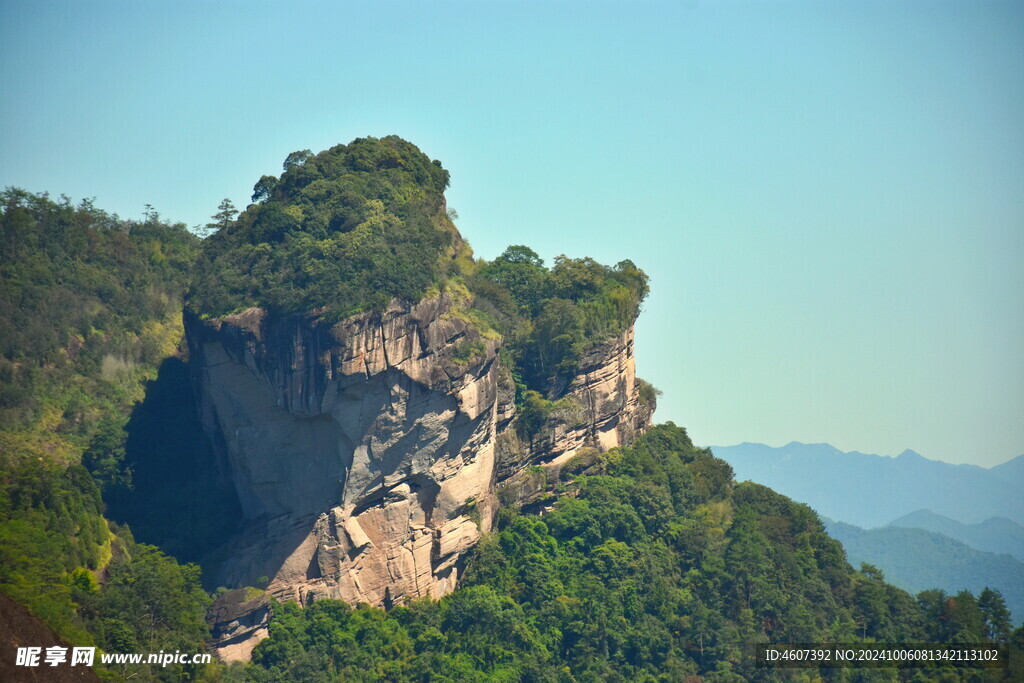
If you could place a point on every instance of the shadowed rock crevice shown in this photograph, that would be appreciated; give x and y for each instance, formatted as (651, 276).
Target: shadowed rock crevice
(366, 452)
(183, 496)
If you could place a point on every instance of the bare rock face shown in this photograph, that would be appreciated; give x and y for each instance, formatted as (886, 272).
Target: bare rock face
(600, 409)
(365, 453)
(359, 450)
(239, 621)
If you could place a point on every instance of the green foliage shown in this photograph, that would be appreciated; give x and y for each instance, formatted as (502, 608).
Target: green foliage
(88, 302)
(657, 569)
(551, 317)
(160, 601)
(648, 392)
(883, 612)
(995, 615)
(533, 412)
(51, 529)
(345, 230)
(89, 306)
(105, 455)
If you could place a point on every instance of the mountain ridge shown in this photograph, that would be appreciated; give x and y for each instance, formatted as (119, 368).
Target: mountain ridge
(995, 534)
(871, 490)
(916, 559)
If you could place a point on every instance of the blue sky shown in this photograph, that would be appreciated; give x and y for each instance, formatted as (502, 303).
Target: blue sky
(828, 196)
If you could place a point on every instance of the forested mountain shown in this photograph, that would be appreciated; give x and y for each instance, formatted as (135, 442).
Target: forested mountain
(872, 490)
(649, 564)
(89, 307)
(640, 562)
(995, 535)
(915, 560)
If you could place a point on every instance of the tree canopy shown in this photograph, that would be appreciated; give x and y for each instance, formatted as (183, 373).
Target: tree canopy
(652, 564)
(341, 231)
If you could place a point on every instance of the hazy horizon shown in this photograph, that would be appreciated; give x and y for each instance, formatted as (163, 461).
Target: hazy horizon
(852, 451)
(827, 196)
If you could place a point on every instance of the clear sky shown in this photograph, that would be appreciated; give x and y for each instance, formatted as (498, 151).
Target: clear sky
(828, 196)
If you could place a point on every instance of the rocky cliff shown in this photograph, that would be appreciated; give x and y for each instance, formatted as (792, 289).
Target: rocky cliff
(365, 453)
(601, 408)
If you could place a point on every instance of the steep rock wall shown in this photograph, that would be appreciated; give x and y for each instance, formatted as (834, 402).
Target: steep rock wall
(357, 449)
(366, 453)
(600, 409)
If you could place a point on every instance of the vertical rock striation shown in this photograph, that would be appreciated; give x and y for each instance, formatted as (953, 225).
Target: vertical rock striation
(365, 453)
(357, 449)
(601, 408)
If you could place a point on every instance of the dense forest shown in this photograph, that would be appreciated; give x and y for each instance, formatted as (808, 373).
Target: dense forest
(343, 231)
(89, 308)
(647, 562)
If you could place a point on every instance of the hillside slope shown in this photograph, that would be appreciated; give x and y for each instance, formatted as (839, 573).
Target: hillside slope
(917, 560)
(89, 306)
(995, 535)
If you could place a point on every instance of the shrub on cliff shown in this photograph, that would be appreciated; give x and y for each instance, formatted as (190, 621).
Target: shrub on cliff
(344, 231)
(550, 317)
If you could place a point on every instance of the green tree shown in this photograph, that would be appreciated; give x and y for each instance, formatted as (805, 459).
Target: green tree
(521, 271)
(965, 618)
(995, 615)
(105, 455)
(296, 159)
(263, 188)
(226, 213)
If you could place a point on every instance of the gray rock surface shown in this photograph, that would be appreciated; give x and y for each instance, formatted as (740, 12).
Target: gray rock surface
(365, 453)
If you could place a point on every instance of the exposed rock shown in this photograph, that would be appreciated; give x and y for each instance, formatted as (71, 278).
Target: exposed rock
(353, 446)
(601, 409)
(238, 622)
(365, 453)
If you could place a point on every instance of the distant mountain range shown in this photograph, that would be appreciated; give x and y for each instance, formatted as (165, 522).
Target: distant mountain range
(938, 525)
(916, 559)
(873, 490)
(994, 535)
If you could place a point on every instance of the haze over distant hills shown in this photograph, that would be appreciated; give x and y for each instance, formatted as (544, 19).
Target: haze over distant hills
(994, 535)
(872, 490)
(916, 560)
(938, 525)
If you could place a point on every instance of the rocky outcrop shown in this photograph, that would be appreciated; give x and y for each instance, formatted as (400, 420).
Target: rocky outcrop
(366, 453)
(239, 620)
(600, 409)
(357, 449)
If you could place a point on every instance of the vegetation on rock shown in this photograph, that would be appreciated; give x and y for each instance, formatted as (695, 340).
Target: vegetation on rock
(342, 231)
(551, 317)
(648, 563)
(353, 227)
(653, 564)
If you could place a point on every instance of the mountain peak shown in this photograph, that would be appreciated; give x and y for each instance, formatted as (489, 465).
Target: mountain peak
(910, 455)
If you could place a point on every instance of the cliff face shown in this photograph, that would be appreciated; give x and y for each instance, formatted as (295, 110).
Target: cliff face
(357, 449)
(601, 408)
(365, 454)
